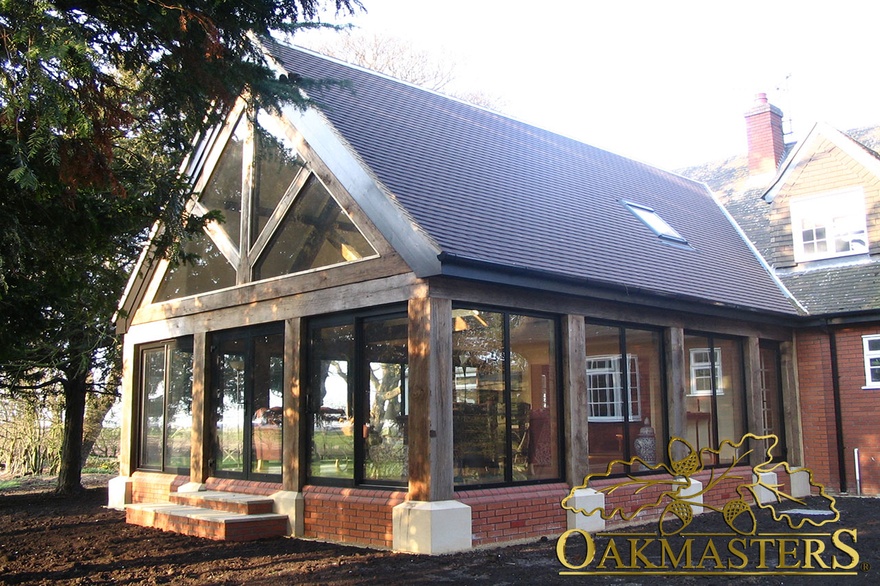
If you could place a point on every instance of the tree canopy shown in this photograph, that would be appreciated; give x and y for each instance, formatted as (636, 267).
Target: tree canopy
(99, 105)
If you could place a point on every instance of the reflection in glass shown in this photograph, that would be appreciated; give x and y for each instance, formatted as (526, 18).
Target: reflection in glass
(315, 233)
(624, 396)
(330, 409)
(153, 388)
(178, 422)
(386, 452)
(276, 166)
(714, 403)
(505, 410)
(266, 404)
(230, 407)
(208, 272)
(771, 411)
(223, 190)
(166, 406)
(534, 398)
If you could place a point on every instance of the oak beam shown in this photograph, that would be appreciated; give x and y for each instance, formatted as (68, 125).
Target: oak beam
(430, 397)
(200, 439)
(294, 458)
(575, 398)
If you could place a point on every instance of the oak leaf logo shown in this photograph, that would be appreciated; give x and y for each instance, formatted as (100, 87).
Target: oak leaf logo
(679, 496)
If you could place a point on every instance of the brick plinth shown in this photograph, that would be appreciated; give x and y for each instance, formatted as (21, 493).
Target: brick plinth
(351, 515)
(515, 512)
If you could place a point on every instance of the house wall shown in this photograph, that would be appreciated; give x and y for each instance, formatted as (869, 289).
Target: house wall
(817, 405)
(858, 408)
(364, 515)
(828, 169)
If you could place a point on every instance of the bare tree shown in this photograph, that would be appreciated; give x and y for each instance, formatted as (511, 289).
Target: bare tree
(403, 60)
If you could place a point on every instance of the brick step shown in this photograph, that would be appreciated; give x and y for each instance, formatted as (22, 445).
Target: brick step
(231, 502)
(208, 523)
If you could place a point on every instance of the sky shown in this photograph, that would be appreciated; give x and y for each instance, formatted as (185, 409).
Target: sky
(663, 82)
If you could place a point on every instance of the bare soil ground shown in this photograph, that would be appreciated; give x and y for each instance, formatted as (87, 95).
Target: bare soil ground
(45, 539)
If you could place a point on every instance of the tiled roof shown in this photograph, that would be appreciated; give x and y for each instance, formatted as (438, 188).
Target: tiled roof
(826, 290)
(496, 191)
(836, 290)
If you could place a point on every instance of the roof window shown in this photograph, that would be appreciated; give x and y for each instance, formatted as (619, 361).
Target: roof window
(657, 224)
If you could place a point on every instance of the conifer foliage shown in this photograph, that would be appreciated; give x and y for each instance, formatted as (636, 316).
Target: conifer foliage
(99, 104)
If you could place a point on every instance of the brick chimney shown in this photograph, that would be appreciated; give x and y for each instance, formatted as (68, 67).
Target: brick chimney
(764, 131)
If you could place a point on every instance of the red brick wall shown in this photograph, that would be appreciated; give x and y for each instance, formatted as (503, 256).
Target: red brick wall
(514, 513)
(154, 487)
(817, 407)
(859, 408)
(243, 486)
(350, 515)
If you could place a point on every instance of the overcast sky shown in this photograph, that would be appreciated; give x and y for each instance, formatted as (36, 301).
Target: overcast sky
(662, 82)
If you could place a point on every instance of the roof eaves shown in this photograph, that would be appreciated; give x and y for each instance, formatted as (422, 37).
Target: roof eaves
(486, 271)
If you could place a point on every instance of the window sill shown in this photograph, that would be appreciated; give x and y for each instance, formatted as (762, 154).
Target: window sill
(871, 388)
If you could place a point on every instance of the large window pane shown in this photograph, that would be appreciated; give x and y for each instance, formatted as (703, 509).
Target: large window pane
(625, 388)
(771, 402)
(223, 190)
(266, 404)
(315, 233)
(385, 400)
(506, 407)
(230, 406)
(330, 402)
(153, 407)
(178, 423)
(714, 402)
(208, 272)
(479, 409)
(276, 166)
(166, 406)
(534, 397)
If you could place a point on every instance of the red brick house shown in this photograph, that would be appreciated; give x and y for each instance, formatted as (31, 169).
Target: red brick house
(813, 210)
(423, 323)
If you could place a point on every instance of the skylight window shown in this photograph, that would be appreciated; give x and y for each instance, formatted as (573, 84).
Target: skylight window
(657, 224)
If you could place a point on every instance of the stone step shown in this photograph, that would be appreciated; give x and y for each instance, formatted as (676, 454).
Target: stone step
(231, 502)
(205, 522)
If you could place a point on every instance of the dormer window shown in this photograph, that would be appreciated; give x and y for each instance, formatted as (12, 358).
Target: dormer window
(829, 225)
(657, 224)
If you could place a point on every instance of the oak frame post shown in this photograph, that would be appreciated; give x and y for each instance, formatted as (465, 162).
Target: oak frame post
(430, 400)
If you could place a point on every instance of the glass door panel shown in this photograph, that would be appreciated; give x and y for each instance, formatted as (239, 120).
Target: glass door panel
(230, 406)
(266, 404)
(248, 395)
(153, 385)
(385, 400)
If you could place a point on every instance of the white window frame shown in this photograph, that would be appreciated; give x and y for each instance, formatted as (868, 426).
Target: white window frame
(700, 365)
(871, 354)
(613, 405)
(841, 216)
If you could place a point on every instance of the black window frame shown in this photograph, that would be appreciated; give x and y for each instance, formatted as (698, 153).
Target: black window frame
(250, 334)
(357, 380)
(184, 342)
(622, 327)
(710, 338)
(560, 409)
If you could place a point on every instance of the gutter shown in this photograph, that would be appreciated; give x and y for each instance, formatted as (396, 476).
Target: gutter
(454, 265)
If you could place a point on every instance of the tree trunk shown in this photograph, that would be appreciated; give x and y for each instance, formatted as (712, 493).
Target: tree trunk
(97, 407)
(70, 472)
